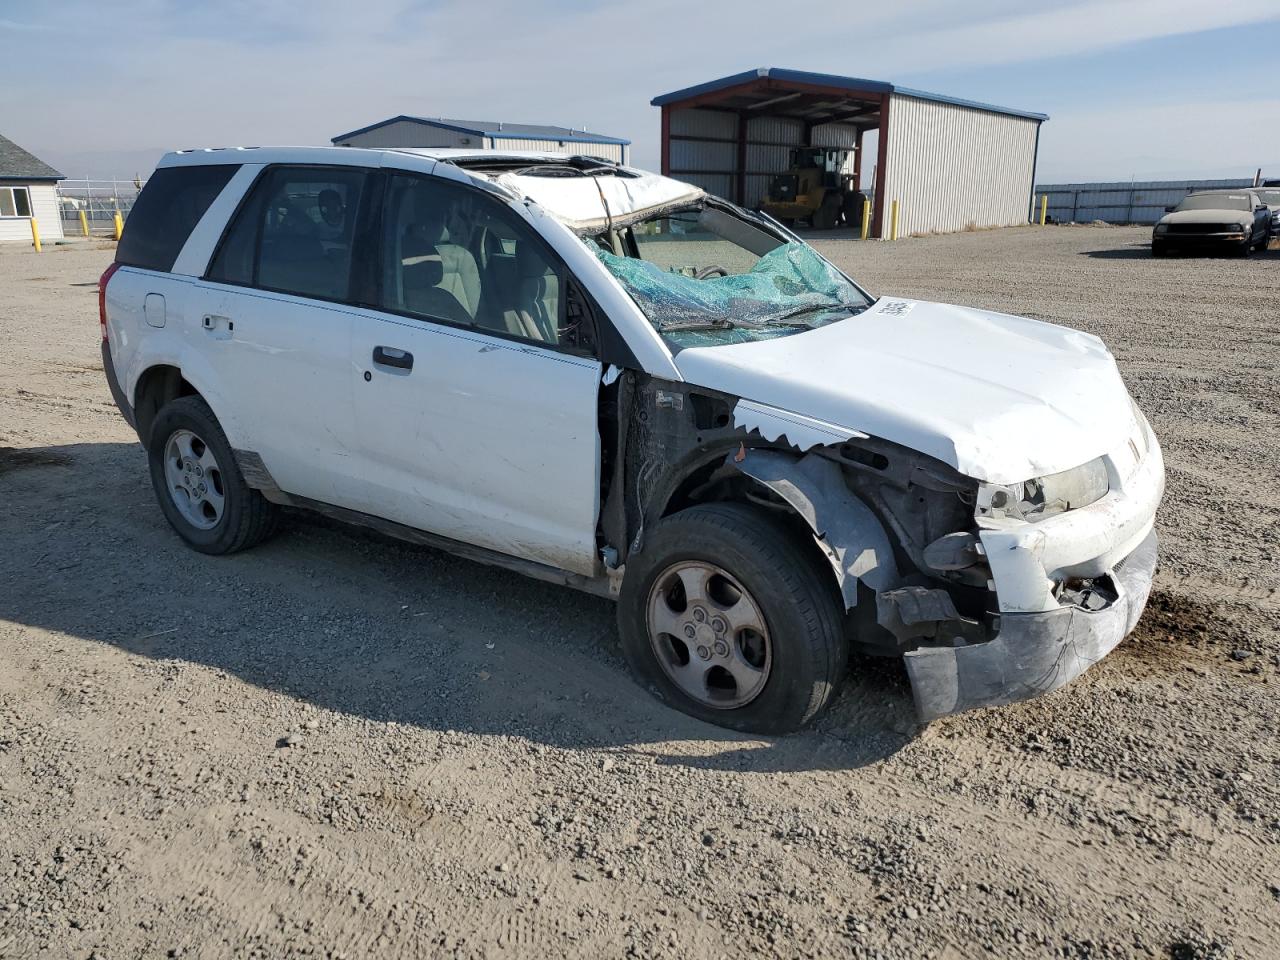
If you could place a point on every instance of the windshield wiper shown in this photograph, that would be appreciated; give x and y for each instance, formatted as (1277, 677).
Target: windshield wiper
(816, 308)
(717, 324)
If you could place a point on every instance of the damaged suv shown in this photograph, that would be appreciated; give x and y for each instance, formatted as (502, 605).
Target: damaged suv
(611, 380)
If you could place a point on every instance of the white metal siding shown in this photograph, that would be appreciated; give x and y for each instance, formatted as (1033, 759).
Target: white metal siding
(44, 205)
(609, 151)
(704, 123)
(950, 166)
(687, 157)
(786, 130)
(835, 135)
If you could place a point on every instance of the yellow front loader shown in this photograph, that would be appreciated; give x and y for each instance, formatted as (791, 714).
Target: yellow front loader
(818, 187)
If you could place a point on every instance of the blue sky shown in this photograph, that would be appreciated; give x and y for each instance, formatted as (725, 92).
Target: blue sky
(1141, 89)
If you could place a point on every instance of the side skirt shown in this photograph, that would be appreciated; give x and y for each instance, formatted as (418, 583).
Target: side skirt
(257, 476)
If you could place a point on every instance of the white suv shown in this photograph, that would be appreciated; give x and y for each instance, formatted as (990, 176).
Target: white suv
(611, 380)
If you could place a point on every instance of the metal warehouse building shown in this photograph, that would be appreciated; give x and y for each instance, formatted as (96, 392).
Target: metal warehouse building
(406, 131)
(951, 164)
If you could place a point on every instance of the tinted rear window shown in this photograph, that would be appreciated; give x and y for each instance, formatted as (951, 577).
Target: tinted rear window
(167, 210)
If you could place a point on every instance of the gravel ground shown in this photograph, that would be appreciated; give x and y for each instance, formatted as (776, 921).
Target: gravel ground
(340, 745)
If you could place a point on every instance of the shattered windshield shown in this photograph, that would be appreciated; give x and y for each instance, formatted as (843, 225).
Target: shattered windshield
(706, 277)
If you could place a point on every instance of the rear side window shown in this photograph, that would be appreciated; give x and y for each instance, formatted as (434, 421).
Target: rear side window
(295, 233)
(167, 210)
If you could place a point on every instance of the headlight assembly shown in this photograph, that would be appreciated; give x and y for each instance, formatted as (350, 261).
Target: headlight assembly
(1162, 228)
(1049, 495)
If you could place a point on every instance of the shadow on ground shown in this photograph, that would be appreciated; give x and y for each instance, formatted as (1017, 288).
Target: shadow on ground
(354, 622)
(1143, 252)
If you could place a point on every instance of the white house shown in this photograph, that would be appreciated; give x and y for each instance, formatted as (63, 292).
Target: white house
(28, 188)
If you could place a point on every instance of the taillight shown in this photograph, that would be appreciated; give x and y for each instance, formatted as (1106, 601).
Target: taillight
(102, 296)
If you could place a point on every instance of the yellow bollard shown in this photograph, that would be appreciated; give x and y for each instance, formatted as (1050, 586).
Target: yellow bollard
(893, 221)
(84, 224)
(35, 235)
(119, 224)
(866, 219)
(1044, 207)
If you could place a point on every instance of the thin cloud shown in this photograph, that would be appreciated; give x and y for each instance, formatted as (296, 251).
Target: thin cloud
(150, 72)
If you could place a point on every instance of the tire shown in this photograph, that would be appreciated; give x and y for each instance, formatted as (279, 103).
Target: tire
(806, 652)
(241, 519)
(825, 217)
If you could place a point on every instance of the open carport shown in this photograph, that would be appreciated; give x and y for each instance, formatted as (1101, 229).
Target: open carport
(951, 164)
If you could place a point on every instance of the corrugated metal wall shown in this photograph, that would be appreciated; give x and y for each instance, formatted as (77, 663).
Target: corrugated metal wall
(609, 151)
(1131, 202)
(44, 207)
(712, 163)
(950, 166)
(704, 163)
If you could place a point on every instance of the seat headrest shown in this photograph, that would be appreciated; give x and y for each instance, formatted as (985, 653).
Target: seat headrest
(424, 213)
(529, 265)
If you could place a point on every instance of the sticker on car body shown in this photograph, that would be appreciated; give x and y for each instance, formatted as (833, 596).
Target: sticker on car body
(896, 308)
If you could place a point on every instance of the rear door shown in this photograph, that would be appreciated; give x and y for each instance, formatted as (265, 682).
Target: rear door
(474, 394)
(275, 322)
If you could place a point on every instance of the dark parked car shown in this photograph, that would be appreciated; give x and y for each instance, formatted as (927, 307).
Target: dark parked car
(1271, 197)
(1233, 220)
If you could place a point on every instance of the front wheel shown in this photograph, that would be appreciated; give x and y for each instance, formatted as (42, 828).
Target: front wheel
(729, 618)
(200, 488)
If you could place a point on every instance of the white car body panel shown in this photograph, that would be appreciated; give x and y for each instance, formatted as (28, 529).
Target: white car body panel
(1000, 398)
(486, 440)
(285, 361)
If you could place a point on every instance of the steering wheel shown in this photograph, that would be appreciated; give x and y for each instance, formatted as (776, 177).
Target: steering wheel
(711, 271)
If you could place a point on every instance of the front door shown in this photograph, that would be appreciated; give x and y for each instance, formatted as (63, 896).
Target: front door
(476, 414)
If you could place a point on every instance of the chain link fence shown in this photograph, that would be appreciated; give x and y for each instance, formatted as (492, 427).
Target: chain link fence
(90, 206)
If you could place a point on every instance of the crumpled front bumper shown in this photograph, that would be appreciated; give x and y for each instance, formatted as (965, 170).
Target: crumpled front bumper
(1033, 653)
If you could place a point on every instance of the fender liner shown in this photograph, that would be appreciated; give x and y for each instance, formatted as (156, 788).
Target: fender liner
(845, 528)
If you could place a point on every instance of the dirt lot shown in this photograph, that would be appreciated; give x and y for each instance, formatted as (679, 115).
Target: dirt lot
(337, 745)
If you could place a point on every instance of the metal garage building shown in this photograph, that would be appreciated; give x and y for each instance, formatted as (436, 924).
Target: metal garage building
(950, 164)
(406, 131)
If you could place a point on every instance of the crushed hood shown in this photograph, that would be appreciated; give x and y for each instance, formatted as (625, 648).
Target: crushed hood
(579, 202)
(1000, 398)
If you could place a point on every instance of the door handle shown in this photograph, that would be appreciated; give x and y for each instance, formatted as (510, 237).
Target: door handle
(392, 357)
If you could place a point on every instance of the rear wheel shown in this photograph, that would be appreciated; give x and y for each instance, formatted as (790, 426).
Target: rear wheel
(730, 620)
(200, 488)
(828, 212)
